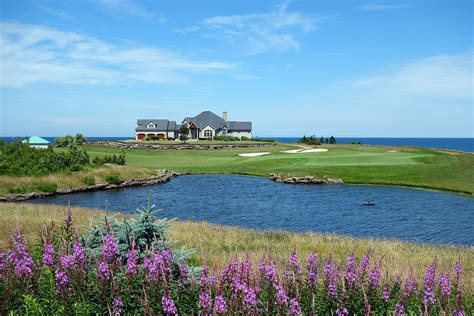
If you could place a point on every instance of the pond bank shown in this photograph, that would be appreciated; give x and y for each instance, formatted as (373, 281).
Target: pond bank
(161, 177)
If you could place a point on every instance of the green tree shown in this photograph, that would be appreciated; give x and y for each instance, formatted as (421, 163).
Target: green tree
(332, 140)
(183, 133)
(80, 139)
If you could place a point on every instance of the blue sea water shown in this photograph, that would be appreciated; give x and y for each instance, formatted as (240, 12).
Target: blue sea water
(463, 144)
(253, 202)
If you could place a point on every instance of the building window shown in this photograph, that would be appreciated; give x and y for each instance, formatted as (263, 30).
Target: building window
(208, 133)
(151, 125)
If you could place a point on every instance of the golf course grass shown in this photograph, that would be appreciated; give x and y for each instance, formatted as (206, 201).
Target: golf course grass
(405, 166)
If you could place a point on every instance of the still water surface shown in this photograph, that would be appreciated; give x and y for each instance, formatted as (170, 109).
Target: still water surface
(252, 202)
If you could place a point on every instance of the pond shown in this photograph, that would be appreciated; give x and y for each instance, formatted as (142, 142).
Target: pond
(253, 202)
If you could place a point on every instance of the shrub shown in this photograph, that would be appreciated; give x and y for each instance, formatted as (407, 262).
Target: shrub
(88, 180)
(112, 159)
(113, 179)
(18, 189)
(47, 187)
(68, 140)
(19, 159)
(267, 140)
(310, 140)
(244, 138)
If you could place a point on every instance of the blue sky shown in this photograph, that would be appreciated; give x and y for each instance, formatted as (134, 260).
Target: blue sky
(343, 68)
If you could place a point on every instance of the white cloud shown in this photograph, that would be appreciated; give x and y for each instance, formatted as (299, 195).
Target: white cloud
(130, 8)
(382, 6)
(439, 77)
(260, 32)
(31, 53)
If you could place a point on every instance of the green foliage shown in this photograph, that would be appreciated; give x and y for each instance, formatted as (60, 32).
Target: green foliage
(17, 159)
(47, 187)
(68, 140)
(310, 140)
(266, 140)
(227, 138)
(145, 232)
(18, 189)
(332, 140)
(113, 159)
(183, 133)
(113, 179)
(88, 180)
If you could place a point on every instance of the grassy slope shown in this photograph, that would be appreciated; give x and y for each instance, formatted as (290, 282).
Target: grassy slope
(354, 164)
(216, 245)
(74, 179)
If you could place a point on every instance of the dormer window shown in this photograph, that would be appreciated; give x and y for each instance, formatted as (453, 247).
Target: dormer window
(151, 125)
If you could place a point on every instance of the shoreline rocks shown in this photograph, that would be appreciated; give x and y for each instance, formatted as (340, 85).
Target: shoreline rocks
(161, 177)
(178, 146)
(276, 177)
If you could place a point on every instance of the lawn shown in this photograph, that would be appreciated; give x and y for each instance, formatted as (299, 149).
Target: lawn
(407, 166)
(216, 245)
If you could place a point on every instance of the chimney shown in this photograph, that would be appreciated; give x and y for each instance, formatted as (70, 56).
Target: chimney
(224, 116)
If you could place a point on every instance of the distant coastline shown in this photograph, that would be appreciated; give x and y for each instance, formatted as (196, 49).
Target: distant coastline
(463, 144)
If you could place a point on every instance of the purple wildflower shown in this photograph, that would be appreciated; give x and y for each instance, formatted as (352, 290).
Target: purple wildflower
(110, 250)
(250, 298)
(400, 310)
(409, 287)
(386, 294)
(62, 279)
(66, 262)
(132, 262)
(48, 255)
(332, 275)
(459, 312)
(79, 254)
(429, 283)
(364, 265)
(281, 296)
(204, 277)
(294, 262)
(312, 270)
(342, 311)
(374, 277)
(445, 285)
(269, 271)
(229, 271)
(220, 305)
(117, 306)
(205, 302)
(20, 256)
(295, 307)
(168, 306)
(103, 271)
(183, 274)
(2, 263)
(350, 275)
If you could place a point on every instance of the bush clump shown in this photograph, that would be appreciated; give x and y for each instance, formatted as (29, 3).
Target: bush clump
(113, 179)
(18, 189)
(88, 180)
(47, 187)
(112, 159)
(17, 159)
(68, 140)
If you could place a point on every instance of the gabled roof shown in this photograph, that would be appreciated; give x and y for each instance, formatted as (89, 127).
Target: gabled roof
(207, 117)
(161, 125)
(35, 140)
(239, 126)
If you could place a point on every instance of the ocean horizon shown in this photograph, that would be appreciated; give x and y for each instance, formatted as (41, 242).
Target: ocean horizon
(459, 143)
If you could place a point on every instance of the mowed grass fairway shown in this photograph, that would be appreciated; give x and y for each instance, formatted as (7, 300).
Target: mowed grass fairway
(216, 245)
(406, 166)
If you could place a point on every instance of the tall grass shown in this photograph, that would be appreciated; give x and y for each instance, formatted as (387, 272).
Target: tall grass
(217, 245)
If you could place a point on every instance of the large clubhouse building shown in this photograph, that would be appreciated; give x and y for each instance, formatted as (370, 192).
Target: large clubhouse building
(205, 125)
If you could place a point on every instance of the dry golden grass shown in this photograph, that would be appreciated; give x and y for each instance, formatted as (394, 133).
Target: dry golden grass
(74, 179)
(216, 245)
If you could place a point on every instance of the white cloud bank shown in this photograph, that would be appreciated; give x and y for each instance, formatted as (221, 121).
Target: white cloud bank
(32, 53)
(439, 77)
(260, 32)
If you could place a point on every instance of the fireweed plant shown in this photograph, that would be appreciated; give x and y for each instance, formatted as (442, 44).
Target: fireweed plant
(131, 267)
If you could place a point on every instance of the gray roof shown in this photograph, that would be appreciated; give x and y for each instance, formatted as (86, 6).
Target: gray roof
(207, 117)
(239, 126)
(161, 125)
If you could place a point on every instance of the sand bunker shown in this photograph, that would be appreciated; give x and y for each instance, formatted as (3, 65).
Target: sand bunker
(316, 150)
(303, 151)
(253, 154)
(392, 151)
(293, 151)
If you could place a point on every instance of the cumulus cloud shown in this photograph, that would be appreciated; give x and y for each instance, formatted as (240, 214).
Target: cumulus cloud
(259, 32)
(31, 53)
